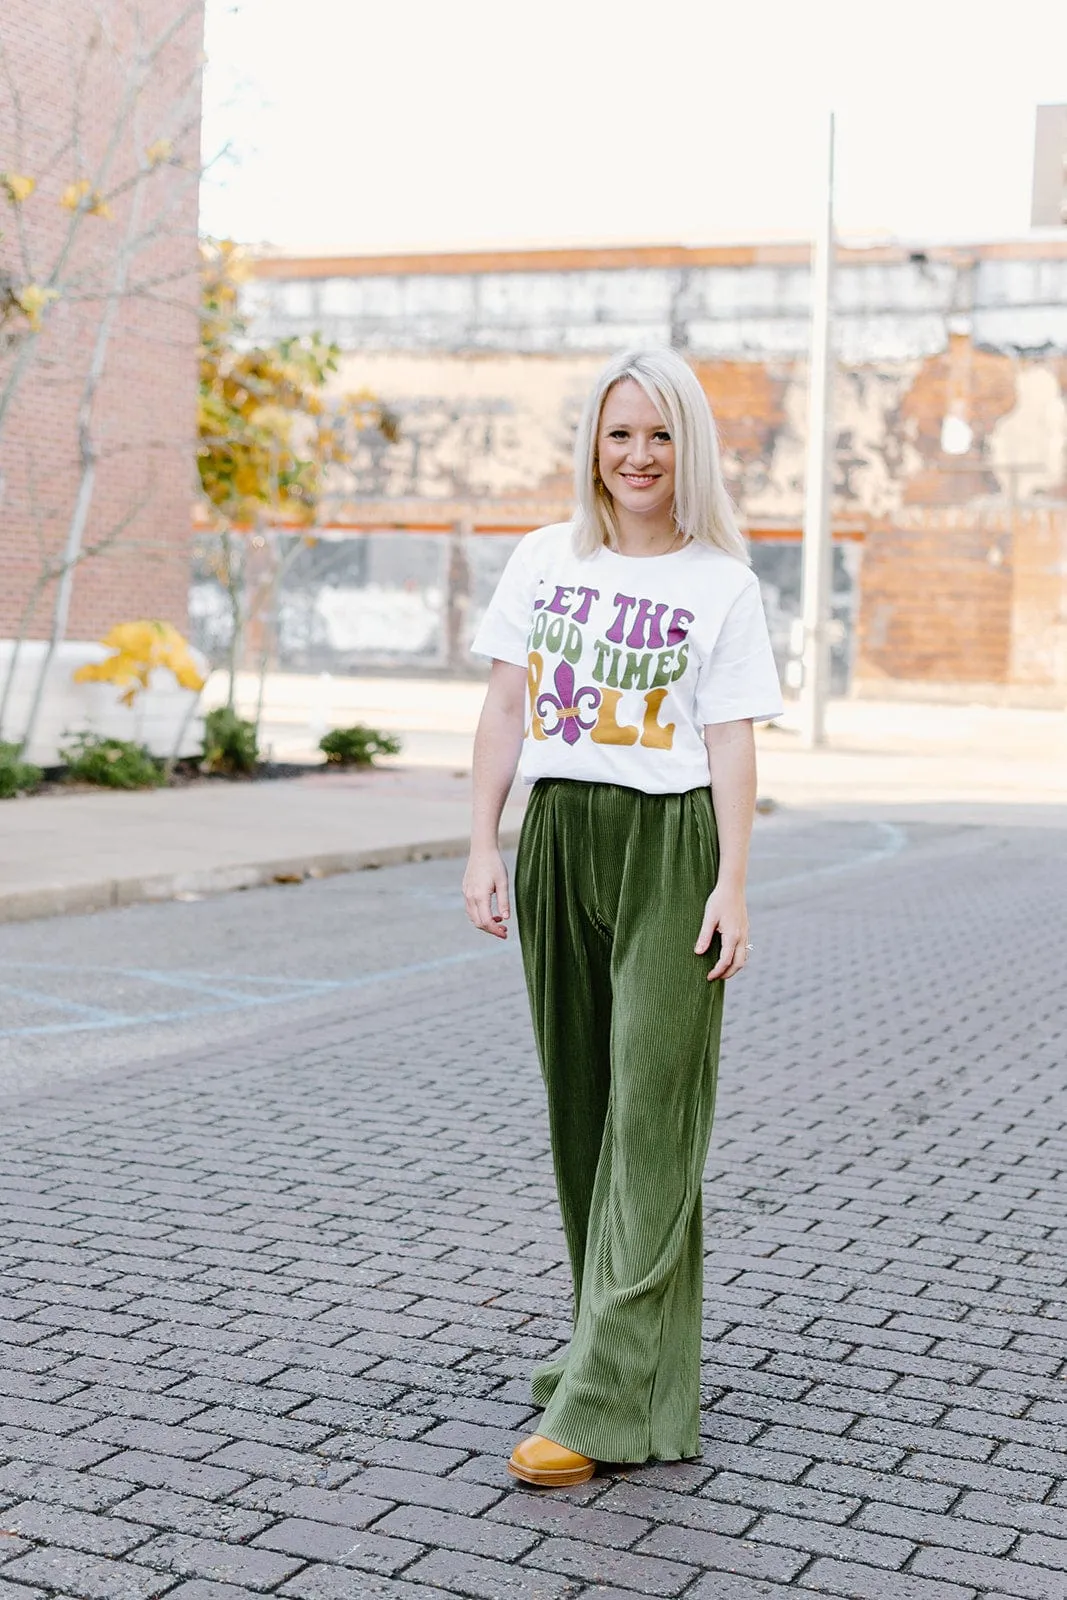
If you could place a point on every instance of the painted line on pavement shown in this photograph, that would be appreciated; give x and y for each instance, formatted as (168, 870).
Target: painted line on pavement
(894, 838)
(213, 984)
(307, 987)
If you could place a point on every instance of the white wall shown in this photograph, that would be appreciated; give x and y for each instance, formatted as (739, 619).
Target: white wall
(71, 708)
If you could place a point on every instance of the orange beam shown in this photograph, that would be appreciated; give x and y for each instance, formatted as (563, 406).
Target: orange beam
(790, 533)
(608, 257)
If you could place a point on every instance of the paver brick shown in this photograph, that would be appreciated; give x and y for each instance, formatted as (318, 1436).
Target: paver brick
(641, 1573)
(184, 1513)
(422, 1489)
(1011, 1513)
(328, 1541)
(598, 1524)
(429, 1526)
(734, 1586)
(28, 1444)
(820, 1538)
(856, 1582)
(237, 1422)
(81, 1530)
(1043, 1550)
(86, 1576)
(784, 1466)
(166, 1472)
(958, 1532)
(715, 1550)
(247, 1457)
(207, 1589)
(196, 1557)
(348, 1508)
(333, 1583)
(188, 1444)
(11, 1545)
(31, 1480)
(978, 1475)
(455, 1573)
(988, 1572)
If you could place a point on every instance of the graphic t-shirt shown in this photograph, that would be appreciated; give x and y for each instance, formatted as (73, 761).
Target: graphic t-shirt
(629, 658)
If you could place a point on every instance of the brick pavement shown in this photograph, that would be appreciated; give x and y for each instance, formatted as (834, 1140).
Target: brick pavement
(266, 1313)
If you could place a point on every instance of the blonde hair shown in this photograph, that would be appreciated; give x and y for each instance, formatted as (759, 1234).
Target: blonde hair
(702, 507)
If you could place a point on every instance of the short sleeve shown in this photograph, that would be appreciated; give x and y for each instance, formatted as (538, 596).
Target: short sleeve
(739, 679)
(503, 630)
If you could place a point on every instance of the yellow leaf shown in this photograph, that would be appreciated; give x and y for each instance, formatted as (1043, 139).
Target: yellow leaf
(82, 196)
(74, 194)
(34, 300)
(17, 186)
(139, 648)
(158, 151)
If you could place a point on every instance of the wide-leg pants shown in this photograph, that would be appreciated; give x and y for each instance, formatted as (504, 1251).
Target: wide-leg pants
(610, 892)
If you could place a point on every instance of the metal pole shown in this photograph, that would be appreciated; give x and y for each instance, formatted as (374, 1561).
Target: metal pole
(817, 549)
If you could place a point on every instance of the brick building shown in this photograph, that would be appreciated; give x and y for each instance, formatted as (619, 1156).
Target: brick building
(951, 564)
(108, 99)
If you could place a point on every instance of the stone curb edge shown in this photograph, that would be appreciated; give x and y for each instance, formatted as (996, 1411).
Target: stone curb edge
(24, 905)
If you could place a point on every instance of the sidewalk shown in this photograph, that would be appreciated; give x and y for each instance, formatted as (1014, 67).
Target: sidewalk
(83, 852)
(80, 852)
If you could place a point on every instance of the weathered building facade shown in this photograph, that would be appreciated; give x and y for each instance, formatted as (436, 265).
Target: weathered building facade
(950, 483)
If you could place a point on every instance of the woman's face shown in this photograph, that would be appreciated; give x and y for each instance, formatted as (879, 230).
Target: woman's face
(635, 452)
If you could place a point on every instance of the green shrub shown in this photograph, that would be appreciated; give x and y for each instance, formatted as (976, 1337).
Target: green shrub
(113, 763)
(16, 777)
(230, 744)
(357, 746)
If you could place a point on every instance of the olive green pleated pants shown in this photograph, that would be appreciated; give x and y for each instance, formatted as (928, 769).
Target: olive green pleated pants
(610, 892)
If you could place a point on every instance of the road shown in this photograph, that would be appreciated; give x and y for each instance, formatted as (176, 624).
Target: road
(280, 1245)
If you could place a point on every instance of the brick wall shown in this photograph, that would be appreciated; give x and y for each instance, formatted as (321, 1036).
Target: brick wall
(142, 423)
(935, 600)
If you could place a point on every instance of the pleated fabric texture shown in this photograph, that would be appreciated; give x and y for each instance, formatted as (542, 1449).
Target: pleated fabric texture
(610, 892)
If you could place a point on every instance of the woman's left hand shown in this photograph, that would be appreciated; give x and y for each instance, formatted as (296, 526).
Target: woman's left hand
(725, 913)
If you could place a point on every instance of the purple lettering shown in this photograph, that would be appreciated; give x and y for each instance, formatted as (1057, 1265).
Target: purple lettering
(557, 602)
(582, 613)
(645, 633)
(624, 603)
(680, 624)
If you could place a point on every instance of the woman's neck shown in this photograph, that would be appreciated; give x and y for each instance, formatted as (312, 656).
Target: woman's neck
(646, 536)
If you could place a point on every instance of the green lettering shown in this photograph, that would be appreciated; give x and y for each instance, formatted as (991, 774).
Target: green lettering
(600, 659)
(664, 669)
(635, 674)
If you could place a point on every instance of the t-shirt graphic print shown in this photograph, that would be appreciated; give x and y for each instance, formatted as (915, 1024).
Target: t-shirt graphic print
(628, 658)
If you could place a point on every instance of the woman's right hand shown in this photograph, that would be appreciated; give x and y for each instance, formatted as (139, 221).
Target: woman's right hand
(485, 882)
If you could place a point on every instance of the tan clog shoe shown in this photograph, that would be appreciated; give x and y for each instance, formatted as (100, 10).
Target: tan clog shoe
(542, 1461)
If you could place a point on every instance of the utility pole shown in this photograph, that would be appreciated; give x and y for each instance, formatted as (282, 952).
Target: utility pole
(817, 548)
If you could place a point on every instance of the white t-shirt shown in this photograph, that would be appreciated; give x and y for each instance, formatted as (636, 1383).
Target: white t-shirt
(628, 658)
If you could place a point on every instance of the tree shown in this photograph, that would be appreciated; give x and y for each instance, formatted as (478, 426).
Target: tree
(271, 433)
(83, 207)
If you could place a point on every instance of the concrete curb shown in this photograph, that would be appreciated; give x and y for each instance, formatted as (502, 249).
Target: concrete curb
(55, 900)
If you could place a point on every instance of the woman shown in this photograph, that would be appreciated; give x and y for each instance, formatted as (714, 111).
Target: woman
(629, 660)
